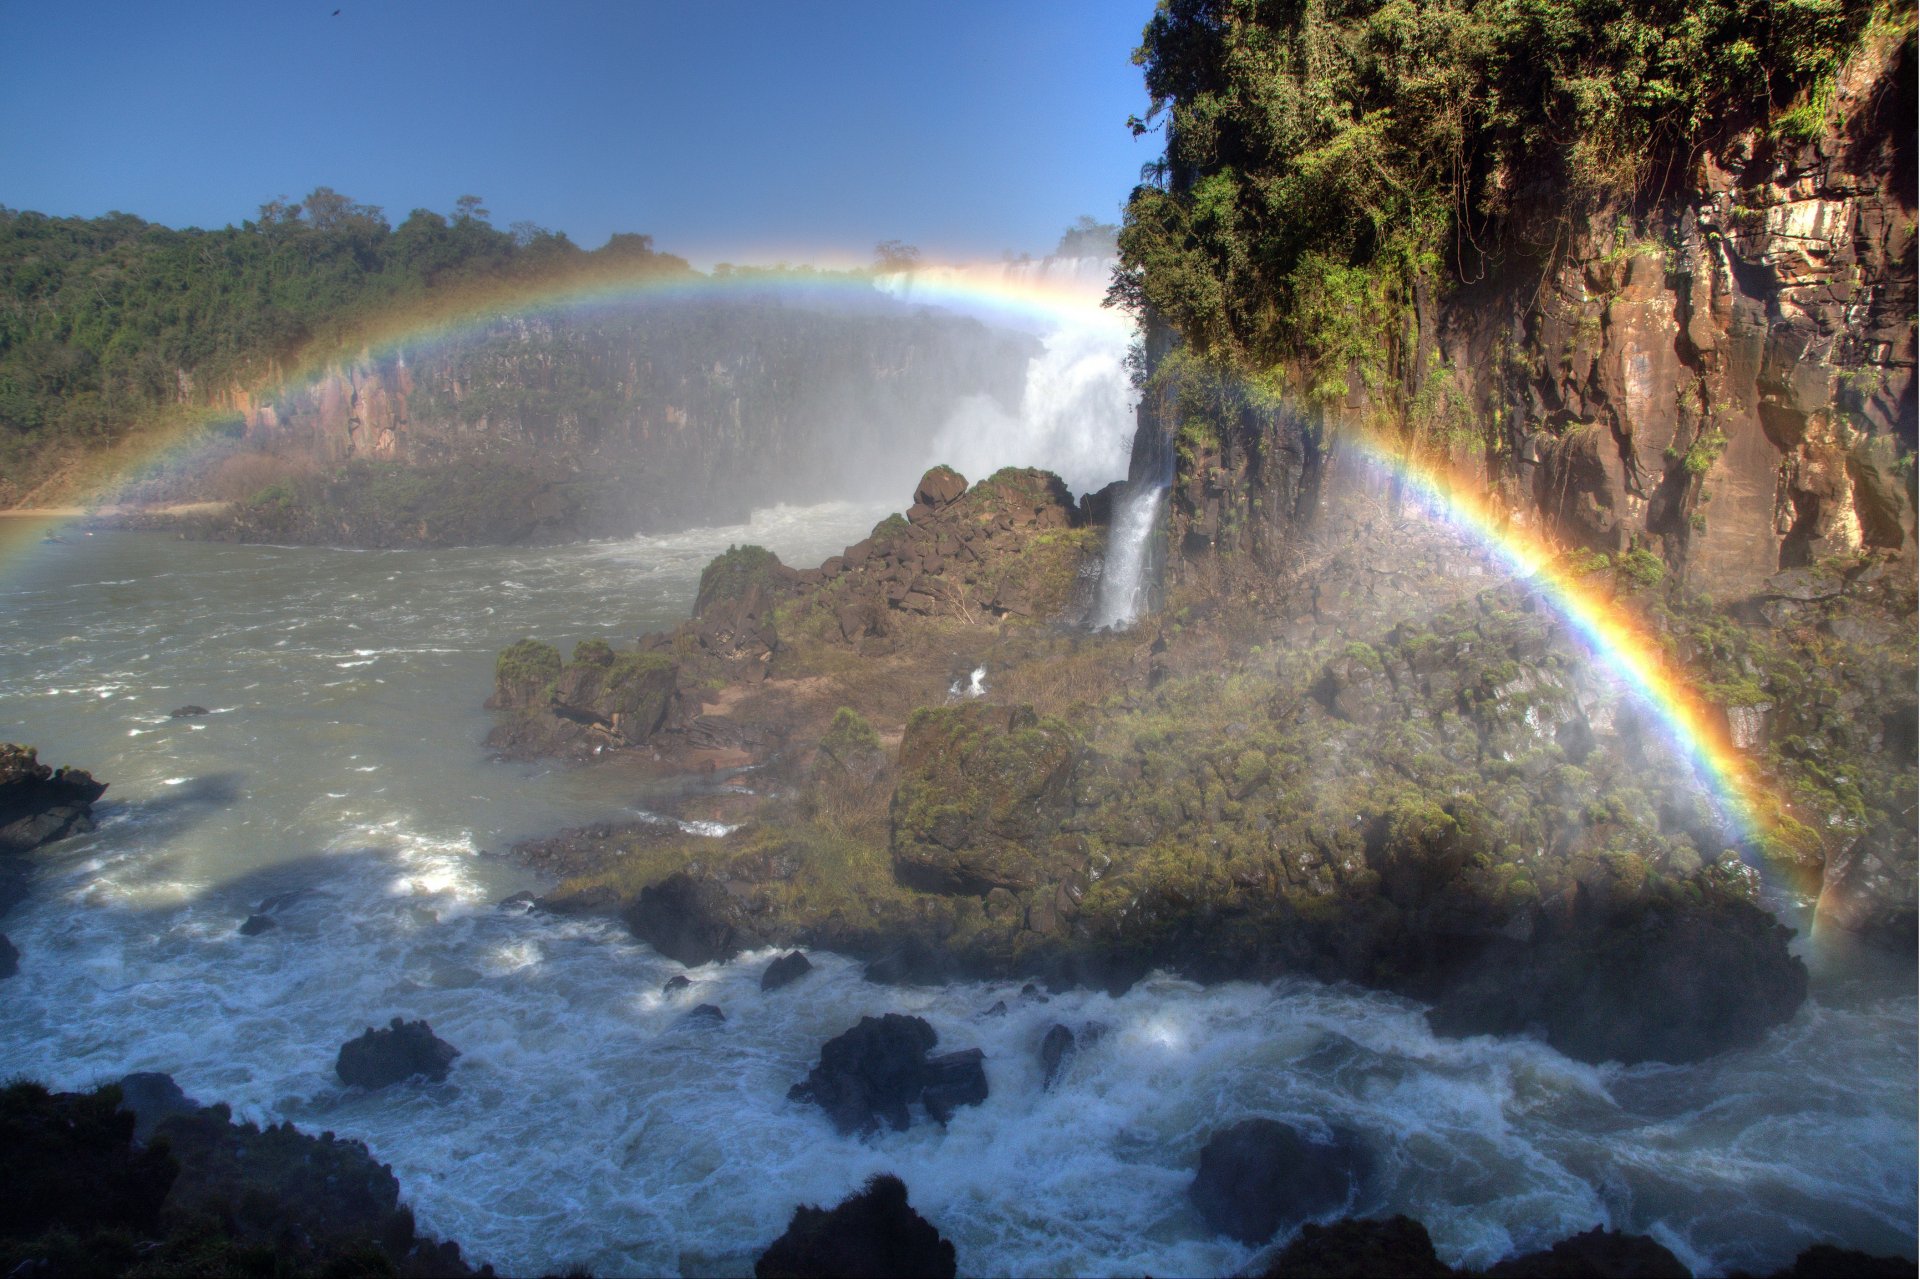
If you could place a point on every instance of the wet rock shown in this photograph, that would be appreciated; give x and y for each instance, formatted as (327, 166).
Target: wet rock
(39, 804)
(953, 1080)
(784, 971)
(999, 1009)
(875, 1234)
(1597, 1254)
(1360, 1249)
(1055, 1047)
(189, 712)
(257, 924)
(1824, 1261)
(1804, 585)
(153, 1096)
(1260, 1174)
(401, 1051)
(875, 1071)
(9, 958)
(520, 902)
(690, 920)
(1642, 981)
(709, 1014)
(677, 982)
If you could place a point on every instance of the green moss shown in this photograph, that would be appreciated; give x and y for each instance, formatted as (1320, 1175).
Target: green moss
(732, 574)
(593, 652)
(524, 673)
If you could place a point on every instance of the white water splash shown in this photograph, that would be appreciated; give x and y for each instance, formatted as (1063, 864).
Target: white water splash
(1123, 579)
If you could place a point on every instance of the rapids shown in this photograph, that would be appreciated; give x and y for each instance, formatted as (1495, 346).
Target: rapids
(586, 1123)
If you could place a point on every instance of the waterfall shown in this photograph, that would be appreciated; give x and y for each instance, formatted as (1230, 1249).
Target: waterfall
(1124, 579)
(1075, 416)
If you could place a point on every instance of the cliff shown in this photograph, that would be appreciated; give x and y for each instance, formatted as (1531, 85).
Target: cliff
(1720, 371)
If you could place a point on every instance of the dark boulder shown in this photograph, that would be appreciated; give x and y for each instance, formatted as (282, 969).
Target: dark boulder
(784, 971)
(39, 804)
(1645, 981)
(189, 712)
(677, 982)
(257, 924)
(9, 958)
(520, 903)
(1360, 1249)
(1055, 1047)
(875, 1071)
(152, 1096)
(1597, 1254)
(705, 1014)
(691, 921)
(954, 1080)
(872, 1235)
(404, 1049)
(1260, 1174)
(1824, 1261)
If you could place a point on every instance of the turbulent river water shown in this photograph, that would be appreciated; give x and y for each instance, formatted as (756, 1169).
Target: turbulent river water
(587, 1123)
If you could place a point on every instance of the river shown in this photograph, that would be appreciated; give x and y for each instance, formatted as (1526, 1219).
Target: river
(587, 1123)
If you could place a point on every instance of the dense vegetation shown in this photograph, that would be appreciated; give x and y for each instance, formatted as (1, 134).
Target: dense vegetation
(1332, 167)
(104, 320)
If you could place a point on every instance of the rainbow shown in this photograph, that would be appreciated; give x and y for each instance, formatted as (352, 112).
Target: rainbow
(1033, 295)
(1039, 296)
(1610, 630)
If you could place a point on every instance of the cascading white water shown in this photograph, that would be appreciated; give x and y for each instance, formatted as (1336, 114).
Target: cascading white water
(1123, 581)
(1075, 416)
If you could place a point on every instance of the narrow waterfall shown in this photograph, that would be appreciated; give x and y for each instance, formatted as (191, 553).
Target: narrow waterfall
(1132, 569)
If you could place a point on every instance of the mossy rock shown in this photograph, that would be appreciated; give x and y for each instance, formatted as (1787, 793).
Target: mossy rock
(983, 790)
(524, 675)
(732, 574)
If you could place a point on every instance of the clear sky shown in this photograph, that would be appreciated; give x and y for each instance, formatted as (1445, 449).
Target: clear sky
(749, 132)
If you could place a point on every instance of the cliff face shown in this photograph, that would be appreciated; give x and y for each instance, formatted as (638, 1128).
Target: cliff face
(710, 406)
(1724, 375)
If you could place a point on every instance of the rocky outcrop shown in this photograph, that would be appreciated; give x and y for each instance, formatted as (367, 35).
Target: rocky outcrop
(145, 1181)
(872, 1073)
(1260, 1175)
(1596, 1252)
(691, 920)
(600, 699)
(1360, 1249)
(404, 1050)
(874, 1234)
(39, 804)
(785, 971)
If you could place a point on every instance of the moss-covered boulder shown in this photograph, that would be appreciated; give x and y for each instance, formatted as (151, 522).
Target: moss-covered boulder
(734, 573)
(523, 675)
(983, 792)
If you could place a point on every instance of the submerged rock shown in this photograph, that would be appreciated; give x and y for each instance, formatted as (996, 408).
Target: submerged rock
(257, 924)
(9, 958)
(1360, 1249)
(875, 1234)
(1597, 1254)
(704, 1014)
(1055, 1047)
(39, 804)
(785, 970)
(875, 1071)
(1261, 1174)
(403, 1050)
(675, 983)
(189, 712)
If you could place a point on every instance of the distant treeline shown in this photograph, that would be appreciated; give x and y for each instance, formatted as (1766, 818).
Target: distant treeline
(104, 320)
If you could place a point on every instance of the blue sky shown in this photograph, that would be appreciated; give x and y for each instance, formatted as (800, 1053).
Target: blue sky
(728, 131)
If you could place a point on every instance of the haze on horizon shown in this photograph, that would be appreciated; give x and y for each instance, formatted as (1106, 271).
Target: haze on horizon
(729, 131)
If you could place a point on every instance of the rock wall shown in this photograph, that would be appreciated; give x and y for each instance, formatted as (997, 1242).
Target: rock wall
(1724, 375)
